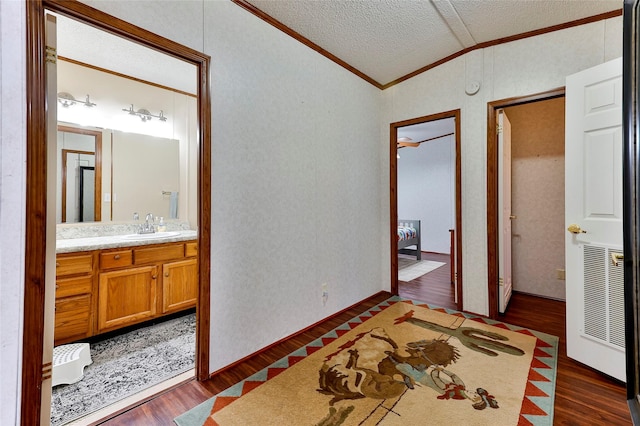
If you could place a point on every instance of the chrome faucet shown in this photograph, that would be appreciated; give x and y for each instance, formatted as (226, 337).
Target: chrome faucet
(146, 227)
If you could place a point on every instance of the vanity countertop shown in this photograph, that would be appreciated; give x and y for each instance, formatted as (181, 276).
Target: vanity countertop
(71, 245)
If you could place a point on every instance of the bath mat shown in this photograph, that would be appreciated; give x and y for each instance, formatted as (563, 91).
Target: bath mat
(126, 364)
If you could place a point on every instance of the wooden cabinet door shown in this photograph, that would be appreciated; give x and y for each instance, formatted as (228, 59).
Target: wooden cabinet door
(179, 285)
(126, 297)
(73, 318)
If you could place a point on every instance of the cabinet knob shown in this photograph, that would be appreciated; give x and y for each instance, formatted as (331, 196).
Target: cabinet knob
(166, 274)
(154, 277)
(57, 264)
(116, 257)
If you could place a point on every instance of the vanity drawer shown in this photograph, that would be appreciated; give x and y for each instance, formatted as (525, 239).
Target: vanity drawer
(191, 249)
(73, 318)
(73, 286)
(74, 265)
(116, 259)
(158, 254)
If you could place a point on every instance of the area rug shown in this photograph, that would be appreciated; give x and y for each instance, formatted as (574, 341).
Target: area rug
(400, 363)
(126, 364)
(410, 269)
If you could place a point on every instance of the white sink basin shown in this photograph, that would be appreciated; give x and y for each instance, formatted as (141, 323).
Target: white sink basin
(153, 236)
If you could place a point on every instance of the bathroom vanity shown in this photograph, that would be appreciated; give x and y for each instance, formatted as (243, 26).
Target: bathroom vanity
(106, 283)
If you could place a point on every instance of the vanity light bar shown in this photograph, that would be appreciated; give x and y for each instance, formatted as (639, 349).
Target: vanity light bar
(66, 100)
(144, 114)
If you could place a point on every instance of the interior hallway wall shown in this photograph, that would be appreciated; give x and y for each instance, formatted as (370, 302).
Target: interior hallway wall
(518, 68)
(286, 187)
(537, 197)
(12, 204)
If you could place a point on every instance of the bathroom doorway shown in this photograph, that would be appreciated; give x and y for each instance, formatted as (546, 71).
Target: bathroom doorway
(41, 247)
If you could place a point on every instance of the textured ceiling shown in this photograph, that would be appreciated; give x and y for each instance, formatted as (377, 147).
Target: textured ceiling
(383, 39)
(389, 39)
(78, 41)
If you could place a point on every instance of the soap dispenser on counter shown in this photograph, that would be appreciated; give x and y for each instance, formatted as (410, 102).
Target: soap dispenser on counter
(162, 227)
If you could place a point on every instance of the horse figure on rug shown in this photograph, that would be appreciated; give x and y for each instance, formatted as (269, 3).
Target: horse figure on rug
(367, 367)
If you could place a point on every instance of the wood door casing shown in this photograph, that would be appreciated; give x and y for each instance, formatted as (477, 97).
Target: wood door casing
(492, 188)
(393, 195)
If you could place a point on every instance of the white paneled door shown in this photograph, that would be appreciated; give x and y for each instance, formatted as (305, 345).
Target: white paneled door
(593, 217)
(505, 285)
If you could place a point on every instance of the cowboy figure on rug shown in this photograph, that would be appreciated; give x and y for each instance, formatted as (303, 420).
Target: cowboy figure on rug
(375, 376)
(434, 375)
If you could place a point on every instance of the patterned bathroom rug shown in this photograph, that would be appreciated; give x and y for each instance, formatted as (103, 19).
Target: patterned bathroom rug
(127, 364)
(400, 363)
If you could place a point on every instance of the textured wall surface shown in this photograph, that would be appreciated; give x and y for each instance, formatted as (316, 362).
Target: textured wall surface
(12, 204)
(518, 68)
(537, 141)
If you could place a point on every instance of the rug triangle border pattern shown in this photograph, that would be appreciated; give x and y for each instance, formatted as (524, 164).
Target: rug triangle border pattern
(537, 402)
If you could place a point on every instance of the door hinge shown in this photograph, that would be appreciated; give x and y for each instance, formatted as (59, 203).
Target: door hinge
(46, 371)
(501, 282)
(498, 129)
(51, 55)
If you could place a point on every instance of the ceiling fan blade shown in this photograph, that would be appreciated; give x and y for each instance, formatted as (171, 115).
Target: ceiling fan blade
(411, 144)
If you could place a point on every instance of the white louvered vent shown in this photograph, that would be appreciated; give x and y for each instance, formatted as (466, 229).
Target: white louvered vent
(603, 296)
(616, 301)
(595, 302)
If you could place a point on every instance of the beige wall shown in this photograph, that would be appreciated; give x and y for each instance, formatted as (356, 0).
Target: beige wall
(537, 143)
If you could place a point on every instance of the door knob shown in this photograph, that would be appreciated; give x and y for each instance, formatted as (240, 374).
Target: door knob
(615, 257)
(575, 229)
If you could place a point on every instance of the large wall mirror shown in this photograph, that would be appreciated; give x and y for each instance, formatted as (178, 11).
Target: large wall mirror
(141, 175)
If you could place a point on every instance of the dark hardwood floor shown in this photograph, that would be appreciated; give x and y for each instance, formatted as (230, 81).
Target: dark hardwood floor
(436, 285)
(583, 396)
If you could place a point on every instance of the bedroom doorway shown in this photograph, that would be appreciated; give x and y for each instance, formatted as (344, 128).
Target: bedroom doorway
(425, 209)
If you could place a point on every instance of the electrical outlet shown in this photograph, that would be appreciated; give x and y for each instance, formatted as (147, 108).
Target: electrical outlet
(325, 293)
(560, 274)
